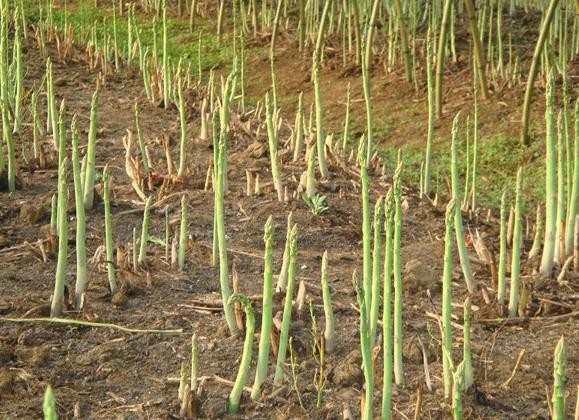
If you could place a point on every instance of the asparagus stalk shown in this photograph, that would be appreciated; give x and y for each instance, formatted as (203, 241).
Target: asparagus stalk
(574, 193)
(387, 308)
(330, 327)
(466, 354)
(461, 245)
(81, 272)
(516, 251)
(244, 365)
(430, 133)
(183, 122)
(272, 142)
(501, 281)
(182, 234)
(457, 387)
(376, 266)
(367, 364)
(320, 137)
(396, 267)
(551, 183)
(111, 271)
(559, 366)
(49, 405)
(536, 247)
(57, 304)
(266, 317)
(145, 231)
(282, 277)
(7, 134)
(88, 189)
(221, 178)
(287, 308)
(447, 299)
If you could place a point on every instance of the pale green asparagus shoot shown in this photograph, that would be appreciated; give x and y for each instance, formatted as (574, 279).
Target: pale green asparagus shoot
(244, 365)
(145, 231)
(330, 328)
(559, 379)
(266, 316)
(517, 243)
(287, 308)
(182, 234)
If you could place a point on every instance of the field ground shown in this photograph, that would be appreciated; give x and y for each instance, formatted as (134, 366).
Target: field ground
(105, 373)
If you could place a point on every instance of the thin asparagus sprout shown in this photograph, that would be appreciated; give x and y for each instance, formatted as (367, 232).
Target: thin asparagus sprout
(88, 189)
(49, 405)
(501, 281)
(282, 277)
(510, 226)
(244, 365)
(81, 272)
(165, 57)
(7, 134)
(536, 247)
(461, 245)
(272, 142)
(61, 136)
(548, 17)
(144, 156)
(402, 25)
(376, 269)
(366, 62)
(366, 347)
(299, 129)
(330, 328)
(311, 184)
(559, 255)
(135, 259)
(221, 179)
(397, 274)
(366, 230)
(559, 367)
(194, 362)
(574, 193)
(551, 182)
(57, 304)
(19, 76)
(183, 122)
(216, 163)
(167, 234)
(111, 271)
(478, 51)
(387, 308)
(346, 135)
(517, 243)
(53, 214)
(320, 137)
(115, 38)
(184, 380)
(266, 316)
(182, 235)
(52, 117)
(441, 51)
(457, 387)
(430, 132)
(474, 152)
(466, 353)
(35, 125)
(447, 299)
(287, 308)
(145, 231)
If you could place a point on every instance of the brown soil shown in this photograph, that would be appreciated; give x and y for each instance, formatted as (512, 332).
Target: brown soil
(104, 373)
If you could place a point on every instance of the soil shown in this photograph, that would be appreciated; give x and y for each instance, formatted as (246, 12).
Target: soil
(106, 373)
